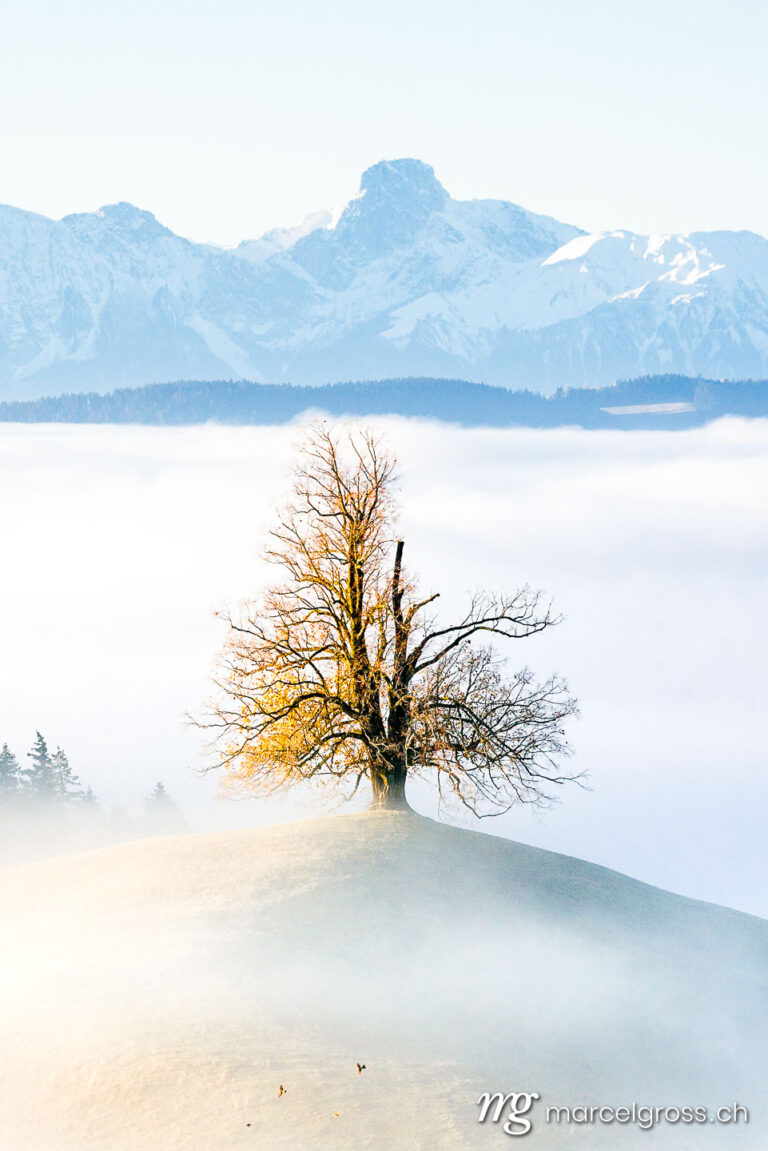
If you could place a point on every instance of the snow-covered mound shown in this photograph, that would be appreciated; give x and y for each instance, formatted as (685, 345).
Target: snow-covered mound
(159, 994)
(406, 282)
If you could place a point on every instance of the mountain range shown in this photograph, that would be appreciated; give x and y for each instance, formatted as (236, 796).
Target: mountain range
(406, 282)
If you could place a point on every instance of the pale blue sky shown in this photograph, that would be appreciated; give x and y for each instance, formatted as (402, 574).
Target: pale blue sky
(228, 117)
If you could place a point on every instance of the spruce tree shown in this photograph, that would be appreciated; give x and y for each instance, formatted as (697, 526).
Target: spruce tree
(161, 811)
(158, 798)
(89, 799)
(68, 786)
(10, 774)
(40, 778)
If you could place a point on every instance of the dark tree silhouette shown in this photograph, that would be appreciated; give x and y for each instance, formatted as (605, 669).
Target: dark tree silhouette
(343, 671)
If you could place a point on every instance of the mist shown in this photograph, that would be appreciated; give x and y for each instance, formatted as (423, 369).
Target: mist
(118, 543)
(194, 977)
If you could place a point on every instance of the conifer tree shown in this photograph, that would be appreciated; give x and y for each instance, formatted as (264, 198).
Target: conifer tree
(10, 777)
(67, 784)
(89, 798)
(158, 796)
(162, 811)
(40, 778)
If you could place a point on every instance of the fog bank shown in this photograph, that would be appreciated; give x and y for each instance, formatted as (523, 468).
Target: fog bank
(119, 542)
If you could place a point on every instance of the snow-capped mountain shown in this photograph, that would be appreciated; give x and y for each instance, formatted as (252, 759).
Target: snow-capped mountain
(407, 281)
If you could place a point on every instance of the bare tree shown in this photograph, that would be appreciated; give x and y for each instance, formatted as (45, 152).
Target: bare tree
(342, 671)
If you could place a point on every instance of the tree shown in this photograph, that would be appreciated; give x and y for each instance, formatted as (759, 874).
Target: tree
(162, 812)
(9, 774)
(67, 784)
(158, 798)
(40, 778)
(89, 799)
(342, 671)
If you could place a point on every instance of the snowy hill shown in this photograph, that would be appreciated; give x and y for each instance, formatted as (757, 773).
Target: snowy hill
(406, 282)
(160, 993)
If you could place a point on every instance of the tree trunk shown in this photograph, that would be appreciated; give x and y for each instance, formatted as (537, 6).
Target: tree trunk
(389, 791)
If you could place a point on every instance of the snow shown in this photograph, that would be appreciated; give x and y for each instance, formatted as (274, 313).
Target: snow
(224, 348)
(405, 280)
(575, 249)
(278, 239)
(192, 977)
(658, 409)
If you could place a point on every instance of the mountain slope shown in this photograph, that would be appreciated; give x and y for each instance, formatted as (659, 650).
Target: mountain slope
(407, 282)
(159, 993)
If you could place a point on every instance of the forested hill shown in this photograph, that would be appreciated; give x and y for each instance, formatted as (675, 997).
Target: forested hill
(671, 402)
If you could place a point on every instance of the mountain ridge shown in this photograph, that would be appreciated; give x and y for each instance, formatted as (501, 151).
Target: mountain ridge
(406, 281)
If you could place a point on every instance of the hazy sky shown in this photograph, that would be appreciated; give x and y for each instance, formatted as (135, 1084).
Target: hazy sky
(227, 117)
(119, 542)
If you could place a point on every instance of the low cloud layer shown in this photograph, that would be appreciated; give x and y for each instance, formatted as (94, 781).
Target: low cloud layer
(118, 542)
